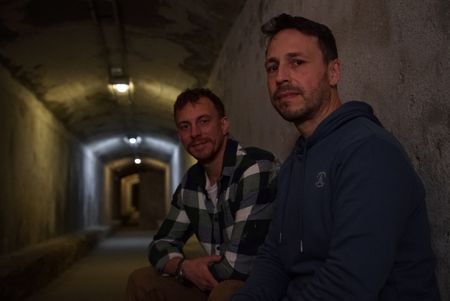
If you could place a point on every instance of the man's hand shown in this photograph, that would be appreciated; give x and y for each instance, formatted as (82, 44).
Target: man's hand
(196, 270)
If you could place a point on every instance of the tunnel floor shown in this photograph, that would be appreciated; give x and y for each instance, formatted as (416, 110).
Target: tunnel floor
(103, 273)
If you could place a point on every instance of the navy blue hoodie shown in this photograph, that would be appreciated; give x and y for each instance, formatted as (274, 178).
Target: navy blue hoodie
(350, 221)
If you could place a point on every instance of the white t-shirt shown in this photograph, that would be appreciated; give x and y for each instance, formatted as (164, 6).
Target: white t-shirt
(211, 190)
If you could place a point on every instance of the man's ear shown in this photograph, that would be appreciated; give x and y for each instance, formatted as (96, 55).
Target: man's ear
(225, 125)
(334, 72)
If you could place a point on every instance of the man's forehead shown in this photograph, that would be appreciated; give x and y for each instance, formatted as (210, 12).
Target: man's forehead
(203, 103)
(191, 118)
(195, 110)
(292, 40)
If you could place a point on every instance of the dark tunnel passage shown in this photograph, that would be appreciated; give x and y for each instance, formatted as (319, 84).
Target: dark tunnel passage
(141, 194)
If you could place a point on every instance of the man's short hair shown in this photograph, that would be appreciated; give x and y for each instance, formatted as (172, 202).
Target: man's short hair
(327, 43)
(193, 95)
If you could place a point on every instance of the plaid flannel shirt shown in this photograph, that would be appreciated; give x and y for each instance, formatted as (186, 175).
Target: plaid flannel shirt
(236, 227)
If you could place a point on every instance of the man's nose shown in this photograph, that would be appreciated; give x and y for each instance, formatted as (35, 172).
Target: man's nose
(195, 131)
(282, 75)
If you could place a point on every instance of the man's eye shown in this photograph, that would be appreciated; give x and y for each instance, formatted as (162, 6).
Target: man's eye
(183, 127)
(297, 62)
(271, 68)
(204, 121)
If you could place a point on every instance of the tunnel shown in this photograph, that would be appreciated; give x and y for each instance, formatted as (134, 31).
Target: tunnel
(90, 156)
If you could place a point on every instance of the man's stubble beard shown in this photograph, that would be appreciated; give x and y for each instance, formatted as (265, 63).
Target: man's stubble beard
(214, 152)
(311, 107)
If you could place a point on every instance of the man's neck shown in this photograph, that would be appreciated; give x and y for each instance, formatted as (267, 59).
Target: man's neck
(308, 127)
(213, 174)
(213, 168)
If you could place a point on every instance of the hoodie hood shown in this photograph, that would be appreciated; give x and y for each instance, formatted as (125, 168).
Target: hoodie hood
(346, 112)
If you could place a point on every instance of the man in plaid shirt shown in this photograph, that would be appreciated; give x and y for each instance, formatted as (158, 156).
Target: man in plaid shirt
(225, 200)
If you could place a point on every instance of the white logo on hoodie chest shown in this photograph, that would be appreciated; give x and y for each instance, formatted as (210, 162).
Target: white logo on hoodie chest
(320, 179)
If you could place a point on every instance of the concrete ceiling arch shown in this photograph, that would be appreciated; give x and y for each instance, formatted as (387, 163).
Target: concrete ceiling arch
(67, 53)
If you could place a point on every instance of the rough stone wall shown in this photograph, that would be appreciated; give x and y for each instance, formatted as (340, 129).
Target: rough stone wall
(395, 56)
(152, 198)
(49, 185)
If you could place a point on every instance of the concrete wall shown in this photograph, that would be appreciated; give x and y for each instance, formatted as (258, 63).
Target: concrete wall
(153, 198)
(111, 205)
(127, 207)
(49, 184)
(395, 56)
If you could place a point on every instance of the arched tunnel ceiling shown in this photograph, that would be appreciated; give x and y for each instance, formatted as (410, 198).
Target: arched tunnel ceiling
(63, 51)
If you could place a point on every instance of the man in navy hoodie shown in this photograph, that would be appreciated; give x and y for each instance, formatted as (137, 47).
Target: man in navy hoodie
(351, 220)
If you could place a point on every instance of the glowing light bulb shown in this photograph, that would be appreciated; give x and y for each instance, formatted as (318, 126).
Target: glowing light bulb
(121, 88)
(137, 161)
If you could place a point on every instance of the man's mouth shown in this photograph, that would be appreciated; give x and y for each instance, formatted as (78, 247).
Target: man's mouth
(198, 143)
(286, 93)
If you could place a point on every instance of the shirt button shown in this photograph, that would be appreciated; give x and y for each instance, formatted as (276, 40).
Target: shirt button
(218, 248)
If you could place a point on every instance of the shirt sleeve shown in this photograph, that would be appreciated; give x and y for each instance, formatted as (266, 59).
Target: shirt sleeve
(254, 197)
(171, 236)
(268, 280)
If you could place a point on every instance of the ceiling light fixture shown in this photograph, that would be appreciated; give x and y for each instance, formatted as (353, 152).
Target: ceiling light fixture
(133, 140)
(121, 88)
(137, 161)
(118, 80)
(120, 84)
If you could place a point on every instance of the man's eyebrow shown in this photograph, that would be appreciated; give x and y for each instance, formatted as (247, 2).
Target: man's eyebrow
(179, 123)
(196, 118)
(203, 116)
(271, 60)
(288, 55)
(294, 54)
